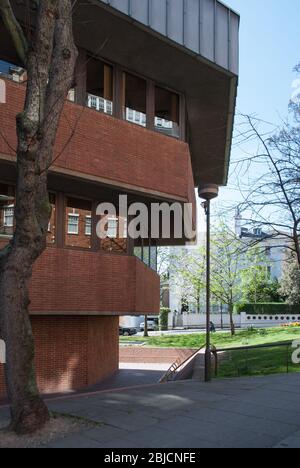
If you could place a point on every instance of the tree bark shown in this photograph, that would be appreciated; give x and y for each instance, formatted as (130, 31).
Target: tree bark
(232, 326)
(50, 66)
(146, 334)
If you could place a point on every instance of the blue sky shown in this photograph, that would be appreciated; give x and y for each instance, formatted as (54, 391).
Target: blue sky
(269, 50)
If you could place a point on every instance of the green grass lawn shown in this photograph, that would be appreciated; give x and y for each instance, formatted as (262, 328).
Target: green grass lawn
(240, 362)
(220, 340)
(257, 362)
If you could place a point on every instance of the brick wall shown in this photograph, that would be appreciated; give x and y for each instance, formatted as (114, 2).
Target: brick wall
(68, 281)
(73, 352)
(144, 355)
(74, 281)
(109, 148)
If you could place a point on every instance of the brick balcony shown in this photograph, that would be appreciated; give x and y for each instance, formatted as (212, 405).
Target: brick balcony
(76, 282)
(109, 150)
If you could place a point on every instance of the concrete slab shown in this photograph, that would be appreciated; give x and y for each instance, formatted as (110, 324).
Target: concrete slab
(247, 412)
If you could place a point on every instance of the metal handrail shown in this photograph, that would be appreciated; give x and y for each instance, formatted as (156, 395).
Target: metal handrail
(266, 345)
(176, 365)
(282, 344)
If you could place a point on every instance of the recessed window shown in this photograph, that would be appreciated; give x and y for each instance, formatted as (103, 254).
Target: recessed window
(78, 223)
(116, 240)
(7, 207)
(134, 99)
(73, 223)
(112, 228)
(88, 225)
(167, 112)
(99, 86)
(8, 216)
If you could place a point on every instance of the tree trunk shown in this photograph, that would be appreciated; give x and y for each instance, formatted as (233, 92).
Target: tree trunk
(28, 411)
(146, 334)
(232, 326)
(50, 66)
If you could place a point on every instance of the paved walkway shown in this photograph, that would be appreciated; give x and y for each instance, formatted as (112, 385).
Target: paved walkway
(247, 412)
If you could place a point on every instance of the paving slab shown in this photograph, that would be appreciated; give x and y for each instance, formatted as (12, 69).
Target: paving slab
(233, 413)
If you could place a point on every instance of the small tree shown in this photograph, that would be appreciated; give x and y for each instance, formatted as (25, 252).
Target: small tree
(227, 260)
(189, 269)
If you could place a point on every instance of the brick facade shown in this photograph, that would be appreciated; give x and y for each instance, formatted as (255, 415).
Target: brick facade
(73, 352)
(111, 149)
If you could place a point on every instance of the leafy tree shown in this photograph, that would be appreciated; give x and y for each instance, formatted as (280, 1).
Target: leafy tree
(227, 258)
(46, 49)
(257, 285)
(189, 270)
(290, 282)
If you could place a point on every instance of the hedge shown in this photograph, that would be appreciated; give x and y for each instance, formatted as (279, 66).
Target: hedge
(268, 308)
(163, 318)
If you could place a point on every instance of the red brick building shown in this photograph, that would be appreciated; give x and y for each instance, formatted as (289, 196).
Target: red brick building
(150, 116)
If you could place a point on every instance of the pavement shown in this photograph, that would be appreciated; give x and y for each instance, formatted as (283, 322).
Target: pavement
(257, 412)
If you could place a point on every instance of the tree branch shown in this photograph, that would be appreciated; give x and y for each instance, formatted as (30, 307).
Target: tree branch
(14, 28)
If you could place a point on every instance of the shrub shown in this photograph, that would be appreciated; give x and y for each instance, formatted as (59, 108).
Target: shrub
(163, 318)
(268, 308)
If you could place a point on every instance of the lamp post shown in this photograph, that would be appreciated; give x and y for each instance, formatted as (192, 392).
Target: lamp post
(208, 192)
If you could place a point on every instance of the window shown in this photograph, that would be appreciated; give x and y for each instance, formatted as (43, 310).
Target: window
(78, 231)
(13, 72)
(8, 216)
(112, 228)
(167, 112)
(99, 86)
(138, 252)
(146, 251)
(134, 99)
(7, 206)
(73, 223)
(153, 257)
(88, 225)
(116, 240)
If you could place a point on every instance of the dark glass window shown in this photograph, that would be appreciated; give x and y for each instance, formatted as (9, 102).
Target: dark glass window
(99, 83)
(146, 251)
(167, 112)
(134, 99)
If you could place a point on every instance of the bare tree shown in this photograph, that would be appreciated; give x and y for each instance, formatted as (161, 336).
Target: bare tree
(271, 192)
(49, 54)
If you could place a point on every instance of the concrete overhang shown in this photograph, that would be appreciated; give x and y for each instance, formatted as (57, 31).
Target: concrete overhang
(188, 45)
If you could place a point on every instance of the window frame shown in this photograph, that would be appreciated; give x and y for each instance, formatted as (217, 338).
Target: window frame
(76, 216)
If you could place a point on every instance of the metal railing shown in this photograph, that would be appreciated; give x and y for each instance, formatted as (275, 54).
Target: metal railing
(100, 104)
(247, 361)
(170, 374)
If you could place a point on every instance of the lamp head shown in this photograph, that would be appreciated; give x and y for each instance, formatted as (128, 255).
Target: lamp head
(208, 191)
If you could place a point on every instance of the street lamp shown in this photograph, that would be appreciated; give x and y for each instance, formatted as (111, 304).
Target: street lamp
(208, 192)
